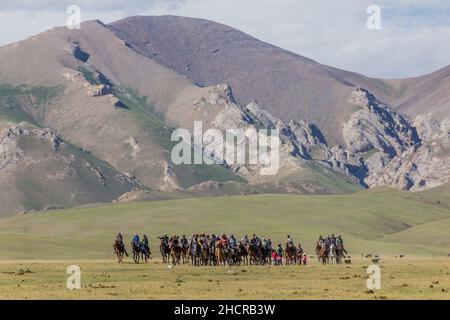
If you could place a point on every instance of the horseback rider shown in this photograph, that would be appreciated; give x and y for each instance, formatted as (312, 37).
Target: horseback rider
(164, 238)
(233, 242)
(245, 241)
(224, 240)
(145, 244)
(184, 241)
(321, 240)
(264, 244)
(255, 241)
(119, 240)
(333, 239)
(214, 238)
(121, 246)
(135, 241)
(289, 242)
(280, 250)
(269, 243)
(340, 244)
(174, 240)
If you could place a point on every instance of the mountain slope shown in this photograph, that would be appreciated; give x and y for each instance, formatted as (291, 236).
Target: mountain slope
(424, 95)
(287, 85)
(121, 107)
(291, 87)
(116, 93)
(115, 124)
(39, 171)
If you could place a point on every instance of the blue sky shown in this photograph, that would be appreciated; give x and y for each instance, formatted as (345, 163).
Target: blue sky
(414, 38)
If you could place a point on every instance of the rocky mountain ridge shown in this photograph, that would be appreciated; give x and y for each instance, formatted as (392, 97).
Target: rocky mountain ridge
(95, 125)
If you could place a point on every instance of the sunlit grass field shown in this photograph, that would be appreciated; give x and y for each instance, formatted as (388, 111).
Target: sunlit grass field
(36, 249)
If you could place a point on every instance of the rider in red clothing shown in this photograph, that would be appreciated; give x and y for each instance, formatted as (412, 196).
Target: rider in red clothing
(224, 241)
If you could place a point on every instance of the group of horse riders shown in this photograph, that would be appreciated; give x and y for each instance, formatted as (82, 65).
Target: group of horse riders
(330, 249)
(140, 248)
(204, 249)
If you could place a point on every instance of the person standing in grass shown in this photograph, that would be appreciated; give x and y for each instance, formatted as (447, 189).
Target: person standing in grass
(280, 254)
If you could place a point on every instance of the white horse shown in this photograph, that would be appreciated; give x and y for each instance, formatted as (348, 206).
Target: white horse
(333, 255)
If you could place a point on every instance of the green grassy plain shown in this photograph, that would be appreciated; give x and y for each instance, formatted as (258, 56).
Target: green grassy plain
(384, 221)
(36, 249)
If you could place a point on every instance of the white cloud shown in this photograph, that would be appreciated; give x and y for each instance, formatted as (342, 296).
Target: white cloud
(88, 5)
(413, 39)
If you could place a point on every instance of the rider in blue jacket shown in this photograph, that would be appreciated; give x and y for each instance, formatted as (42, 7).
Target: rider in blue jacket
(135, 239)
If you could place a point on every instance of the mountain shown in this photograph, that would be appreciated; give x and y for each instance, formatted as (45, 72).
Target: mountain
(424, 95)
(369, 143)
(286, 84)
(39, 171)
(89, 115)
(100, 96)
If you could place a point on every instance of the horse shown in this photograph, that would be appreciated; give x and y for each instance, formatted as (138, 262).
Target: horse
(119, 250)
(175, 253)
(233, 257)
(136, 249)
(145, 252)
(195, 253)
(212, 261)
(318, 249)
(184, 254)
(290, 254)
(220, 254)
(164, 249)
(333, 254)
(243, 252)
(255, 254)
(266, 254)
(324, 253)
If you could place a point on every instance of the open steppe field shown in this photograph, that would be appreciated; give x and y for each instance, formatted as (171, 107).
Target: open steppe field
(401, 278)
(37, 248)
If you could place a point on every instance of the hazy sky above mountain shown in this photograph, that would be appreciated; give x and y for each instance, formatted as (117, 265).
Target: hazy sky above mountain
(414, 37)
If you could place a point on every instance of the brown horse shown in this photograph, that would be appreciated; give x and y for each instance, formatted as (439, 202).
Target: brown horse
(165, 251)
(255, 254)
(204, 252)
(318, 248)
(323, 254)
(243, 253)
(221, 257)
(290, 254)
(175, 253)
(119, 250)
(184, 254)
